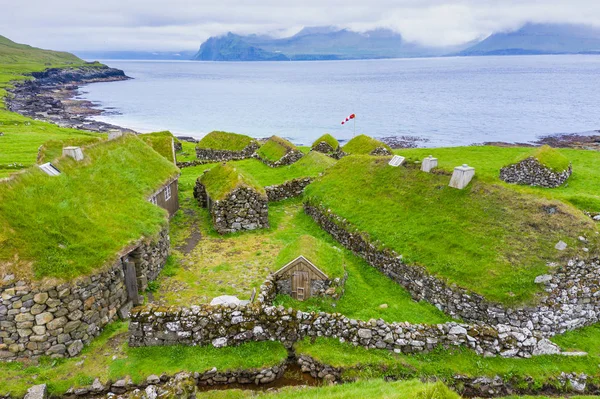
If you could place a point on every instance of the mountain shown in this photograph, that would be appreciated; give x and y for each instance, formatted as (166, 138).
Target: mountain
(540, 39)
(15, 53)
(135, 55)
(314, 43)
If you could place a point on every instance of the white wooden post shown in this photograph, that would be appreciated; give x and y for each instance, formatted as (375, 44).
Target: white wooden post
(462, 176)
(429, 163)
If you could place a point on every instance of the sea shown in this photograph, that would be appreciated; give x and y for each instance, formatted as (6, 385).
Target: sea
(444, 101)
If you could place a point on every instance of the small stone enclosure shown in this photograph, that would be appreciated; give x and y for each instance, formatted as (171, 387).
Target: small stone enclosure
(241, 206)
(301, 279)
(532, 171)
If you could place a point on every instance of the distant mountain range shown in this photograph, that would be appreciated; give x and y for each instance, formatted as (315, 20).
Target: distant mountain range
(329, 43)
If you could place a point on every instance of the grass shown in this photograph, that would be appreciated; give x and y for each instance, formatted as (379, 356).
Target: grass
(86, 215)
(580, 190)
(549, 157)
(446, 363)
(52, 149)
(274, 149)
(187, 153)
(109, 357)
(363, 145)
(162, 142)
(329, 139)
(224, 178)
(329, 259)
(225, 141)
(488, 238)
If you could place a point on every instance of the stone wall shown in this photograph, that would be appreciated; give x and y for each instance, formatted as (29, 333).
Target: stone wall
(242, 209)
(57, 320)
(200, 193)
(572, 291)
(288, 189)
(531, 172)
(324, 147)
(235, 324)
(207, 154)
(187, 164)
(289, 158)
(381, 151)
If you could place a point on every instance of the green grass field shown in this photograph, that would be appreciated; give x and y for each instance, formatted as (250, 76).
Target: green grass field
(487, 238)
(84, 216)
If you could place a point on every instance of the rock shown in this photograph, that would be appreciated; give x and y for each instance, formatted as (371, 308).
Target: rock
(544, 278)
(383, 306)
(225, 300)
(40, 298)
(597, 217)
(151, 392)
(545, 347)
(75, 348)
(44, 318)
(219, 342)
(97, 386)
(458, 330)
(561, 245)
(365, 333)
(37, 392)
(153, 379)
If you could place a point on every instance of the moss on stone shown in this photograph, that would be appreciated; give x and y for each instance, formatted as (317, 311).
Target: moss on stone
(549, 157)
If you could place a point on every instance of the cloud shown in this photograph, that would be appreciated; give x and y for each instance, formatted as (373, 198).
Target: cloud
(183, 25)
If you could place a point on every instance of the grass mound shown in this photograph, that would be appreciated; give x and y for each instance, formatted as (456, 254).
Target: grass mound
(52, 149)
(549, 157)
(224, 141)
(224, 178)
(15, 53)
(363, 145)
(275, 148)
(72, 224)
(162, 142)
(327, 258)
(329, 139)
(488, 238)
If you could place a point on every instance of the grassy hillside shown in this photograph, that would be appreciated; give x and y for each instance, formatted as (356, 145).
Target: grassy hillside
(329, 259)
(23, 136)
(363, 145)
(84, 216)
(581, 189)
(487, 238)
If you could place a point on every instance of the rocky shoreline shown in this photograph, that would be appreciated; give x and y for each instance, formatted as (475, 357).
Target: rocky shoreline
(50, 97)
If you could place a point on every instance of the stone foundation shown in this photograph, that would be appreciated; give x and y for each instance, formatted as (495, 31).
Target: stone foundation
(207, 154)
(532, 173)
(381, 151)
(324, 147)
(289, 189)
(572, 292)
(289, 158)
(58, 320)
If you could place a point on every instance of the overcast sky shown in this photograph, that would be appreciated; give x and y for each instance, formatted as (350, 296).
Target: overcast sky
(184, 24)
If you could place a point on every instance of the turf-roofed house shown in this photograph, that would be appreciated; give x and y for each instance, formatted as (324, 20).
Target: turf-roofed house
(543, 167)
(365, 145)
(220, 146)
(235, 200)
(95, 242)
(326, 144)
(278, 151)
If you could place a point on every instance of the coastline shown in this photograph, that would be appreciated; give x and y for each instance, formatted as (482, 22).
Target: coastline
(50, 97)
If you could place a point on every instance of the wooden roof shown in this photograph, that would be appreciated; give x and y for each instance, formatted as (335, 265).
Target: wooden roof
(299, 259)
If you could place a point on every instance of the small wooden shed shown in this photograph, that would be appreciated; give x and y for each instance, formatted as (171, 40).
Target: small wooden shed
(301, 279)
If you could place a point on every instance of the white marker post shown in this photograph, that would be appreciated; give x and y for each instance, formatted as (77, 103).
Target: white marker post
(462, 176)
(429, 163)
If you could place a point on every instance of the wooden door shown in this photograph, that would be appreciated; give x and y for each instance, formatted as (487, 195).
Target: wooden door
(300, 288)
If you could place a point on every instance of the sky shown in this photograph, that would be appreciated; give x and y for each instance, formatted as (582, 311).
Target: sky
(175, 25)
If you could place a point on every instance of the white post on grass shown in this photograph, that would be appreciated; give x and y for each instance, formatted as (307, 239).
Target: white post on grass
(429, 163)
(461, 176)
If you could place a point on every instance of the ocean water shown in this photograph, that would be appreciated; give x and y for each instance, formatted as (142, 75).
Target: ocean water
(445, 101)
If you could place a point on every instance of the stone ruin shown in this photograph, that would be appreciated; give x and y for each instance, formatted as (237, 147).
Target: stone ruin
(532, 172)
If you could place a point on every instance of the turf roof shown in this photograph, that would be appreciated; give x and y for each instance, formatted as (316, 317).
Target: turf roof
(327, 258)
(275, 148)
(329, 139)
(363, 145)
(225, 141)
(549, 157)
(224, 178)
(162, 142)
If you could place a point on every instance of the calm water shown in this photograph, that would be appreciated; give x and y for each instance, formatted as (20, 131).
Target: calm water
(448, 101)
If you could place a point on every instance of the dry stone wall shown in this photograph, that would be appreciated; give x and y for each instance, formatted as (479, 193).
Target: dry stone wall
(236, 324)
(381, 151)
(324, 147)
(531, 172)
(572, 291)
(289, 158)
(207, 154)
(58, 320)
(289, 189)
(243, 209)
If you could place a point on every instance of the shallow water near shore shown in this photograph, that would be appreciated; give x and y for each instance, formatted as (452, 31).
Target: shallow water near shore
(445, 101)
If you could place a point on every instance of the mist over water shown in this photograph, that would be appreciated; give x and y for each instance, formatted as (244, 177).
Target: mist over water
(447, 101)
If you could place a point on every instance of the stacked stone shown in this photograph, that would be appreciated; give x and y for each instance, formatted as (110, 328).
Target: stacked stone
(200, 193)
(291, 156)
(532, 173)
(208, 154)
(188, 164)
(381, 151)
(289, 189)
(227, 325)
(242, 209)
(324, 147)
(573, 290)
(319, 370)
(267, 292)
(58, 320)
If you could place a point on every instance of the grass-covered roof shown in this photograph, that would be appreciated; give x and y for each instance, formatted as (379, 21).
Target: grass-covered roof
(162, 142)
(329, 259)
(488, 238)
(224, 178)
(225, 141)
(275, 148)
(329, 139)
(549, 157)
(73, 224)
(363, 145)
